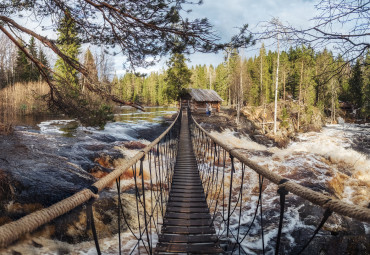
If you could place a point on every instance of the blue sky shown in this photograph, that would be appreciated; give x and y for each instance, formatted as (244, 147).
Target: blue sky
(227, 15)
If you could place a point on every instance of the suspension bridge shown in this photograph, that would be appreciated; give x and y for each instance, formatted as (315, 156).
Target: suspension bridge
(191, 193)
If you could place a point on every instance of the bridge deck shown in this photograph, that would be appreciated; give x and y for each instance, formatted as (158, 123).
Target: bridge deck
(187, 226)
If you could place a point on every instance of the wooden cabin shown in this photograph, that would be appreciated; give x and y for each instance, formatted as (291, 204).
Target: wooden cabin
(199, 97)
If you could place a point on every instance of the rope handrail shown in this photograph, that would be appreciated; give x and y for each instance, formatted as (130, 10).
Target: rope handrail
(327, 202)
(12, 231)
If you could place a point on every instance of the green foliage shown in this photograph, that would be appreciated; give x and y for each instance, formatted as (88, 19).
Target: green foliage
(71, 96)
(23, 108)
(25, 69)
(356, 83)
(284, 118)
(69, 44)
(366, 87)
(98, 117)
(178, 76)
(43, 59)
(320, 78)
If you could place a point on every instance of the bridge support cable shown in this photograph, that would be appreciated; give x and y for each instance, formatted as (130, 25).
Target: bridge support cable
(149, 187)
(234, 187)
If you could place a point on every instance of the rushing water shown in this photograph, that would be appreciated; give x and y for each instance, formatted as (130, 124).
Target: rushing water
(333, 162)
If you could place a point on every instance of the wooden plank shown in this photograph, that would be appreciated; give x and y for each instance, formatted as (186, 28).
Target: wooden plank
(188, 194)
(187, 189)
(190, 222)
(173, 215)
(188, 230)
(187, 210)
(189, 248)
(190, 204)
(186, 183)
(186, 199)
(168, 238)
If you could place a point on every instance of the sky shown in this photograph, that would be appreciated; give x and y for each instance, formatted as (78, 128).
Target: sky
(227, 15)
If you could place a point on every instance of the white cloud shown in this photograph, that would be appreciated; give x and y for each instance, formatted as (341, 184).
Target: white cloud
(227, 16)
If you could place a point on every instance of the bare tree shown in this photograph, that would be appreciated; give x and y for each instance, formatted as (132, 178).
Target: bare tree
(271, 30)
(343, 26)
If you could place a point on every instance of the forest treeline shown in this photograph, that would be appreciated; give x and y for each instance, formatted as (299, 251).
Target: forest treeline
(313, 79)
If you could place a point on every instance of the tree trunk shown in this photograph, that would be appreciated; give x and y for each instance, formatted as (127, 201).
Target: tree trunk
(240, 94)
(277, 84)
(261, 93)
(299, 97)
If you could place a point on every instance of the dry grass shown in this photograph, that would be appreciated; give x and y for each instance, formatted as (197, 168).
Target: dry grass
(21, 99)
(6, 129)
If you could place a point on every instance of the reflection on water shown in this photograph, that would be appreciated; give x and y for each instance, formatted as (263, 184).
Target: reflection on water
(128, 121)
(151, 114)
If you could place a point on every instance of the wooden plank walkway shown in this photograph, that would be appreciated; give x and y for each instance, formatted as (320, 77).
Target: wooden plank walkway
(187, 226)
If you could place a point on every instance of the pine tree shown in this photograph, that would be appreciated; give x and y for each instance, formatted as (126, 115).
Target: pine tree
(87, 106)
(178, 76)
(69, 44)
(21, 67)
(253, 95)
(33, 72)
(356, 83)
(264, 77)
(366, 87)
(43, 59)
(89, 63)
(221, 81)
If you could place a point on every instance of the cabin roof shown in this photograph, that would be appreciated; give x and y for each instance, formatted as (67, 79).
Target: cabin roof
(205, 95)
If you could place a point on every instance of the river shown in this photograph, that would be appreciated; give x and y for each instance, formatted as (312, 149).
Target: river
(335, 161)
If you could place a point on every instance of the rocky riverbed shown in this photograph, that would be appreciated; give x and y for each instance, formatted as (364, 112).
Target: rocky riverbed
(334, 161)
(32, 159)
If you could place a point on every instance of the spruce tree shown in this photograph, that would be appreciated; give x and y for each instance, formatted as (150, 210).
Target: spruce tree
(356, 84)
(33, 72)
(366, 87)
(89, 63)
(43, 59)
(178, 76)
(69, 44)
(21, 67)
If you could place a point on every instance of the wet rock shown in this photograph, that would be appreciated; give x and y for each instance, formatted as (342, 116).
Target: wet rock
(99, 172)
(134, 145)
(261, 139)
(104, 138)
(18, 210)
(107, 160)
(6, 189)
(40, 175)
(150, 133)
(35, 244)
(72, 228)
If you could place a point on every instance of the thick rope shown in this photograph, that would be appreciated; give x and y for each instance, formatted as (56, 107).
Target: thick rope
(334, 205)
(12, 231)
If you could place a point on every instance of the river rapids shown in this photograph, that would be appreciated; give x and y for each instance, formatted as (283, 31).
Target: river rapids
(335, 162)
